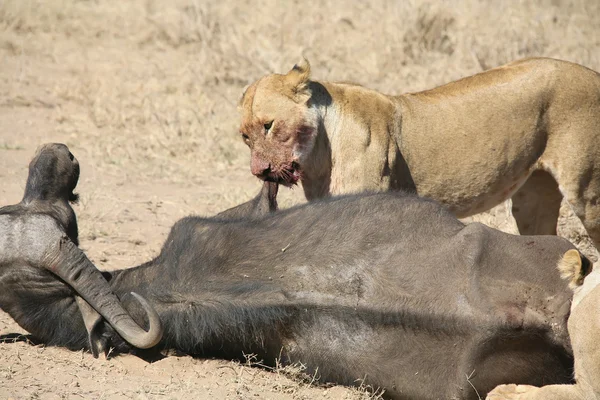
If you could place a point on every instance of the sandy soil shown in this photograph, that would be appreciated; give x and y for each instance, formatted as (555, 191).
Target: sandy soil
(144, 93)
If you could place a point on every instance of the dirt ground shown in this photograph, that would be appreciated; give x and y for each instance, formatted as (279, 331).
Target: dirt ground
(144, 93)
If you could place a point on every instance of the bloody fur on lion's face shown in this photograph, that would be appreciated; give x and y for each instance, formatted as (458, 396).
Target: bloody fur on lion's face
(280, 124)
(286, 175)
(278, 150)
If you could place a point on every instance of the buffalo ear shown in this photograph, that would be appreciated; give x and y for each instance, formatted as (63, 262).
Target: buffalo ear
(297, 80)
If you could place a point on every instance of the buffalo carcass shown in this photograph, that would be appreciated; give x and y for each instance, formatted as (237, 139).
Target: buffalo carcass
(584, 326)
(386, 289)
(39, 235)
(38, 238)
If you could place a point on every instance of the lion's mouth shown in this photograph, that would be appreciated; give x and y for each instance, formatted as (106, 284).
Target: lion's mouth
(286, 175)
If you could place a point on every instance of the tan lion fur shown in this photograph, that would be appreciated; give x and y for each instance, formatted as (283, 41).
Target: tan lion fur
(573, 268)
(584, 328)
(513, 131)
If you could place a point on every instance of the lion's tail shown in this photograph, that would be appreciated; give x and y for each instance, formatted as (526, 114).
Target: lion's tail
(574, 267)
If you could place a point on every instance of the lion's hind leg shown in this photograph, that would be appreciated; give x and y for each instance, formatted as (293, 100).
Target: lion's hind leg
(582, 191)
(526, 392)
(536, 205)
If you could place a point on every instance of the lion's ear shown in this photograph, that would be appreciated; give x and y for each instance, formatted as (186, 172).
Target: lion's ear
(240, 101)
(574, 267)
(297, 80)
(248, 93)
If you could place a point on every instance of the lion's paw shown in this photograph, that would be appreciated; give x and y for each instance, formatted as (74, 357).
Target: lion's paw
(509, 392)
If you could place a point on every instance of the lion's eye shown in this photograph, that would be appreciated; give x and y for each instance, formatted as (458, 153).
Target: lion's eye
(245, 137)
(268, 125)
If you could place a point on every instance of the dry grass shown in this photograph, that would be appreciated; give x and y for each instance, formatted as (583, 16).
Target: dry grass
(145, 94)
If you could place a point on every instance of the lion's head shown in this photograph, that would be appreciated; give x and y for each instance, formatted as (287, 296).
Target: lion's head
(279, 124)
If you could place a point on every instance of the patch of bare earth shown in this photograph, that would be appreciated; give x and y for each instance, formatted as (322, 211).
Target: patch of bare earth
(144, 92)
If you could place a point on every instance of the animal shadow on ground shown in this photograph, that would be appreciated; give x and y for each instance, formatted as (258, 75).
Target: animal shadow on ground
(19, 337)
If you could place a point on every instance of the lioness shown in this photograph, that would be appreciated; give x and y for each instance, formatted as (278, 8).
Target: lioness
(583, 326)
(513, 131)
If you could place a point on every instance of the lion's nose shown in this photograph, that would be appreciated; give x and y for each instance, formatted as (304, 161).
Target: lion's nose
(260, 168)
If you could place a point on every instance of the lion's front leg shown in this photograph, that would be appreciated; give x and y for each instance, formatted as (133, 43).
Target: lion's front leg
(513, 392)
(526, 392)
